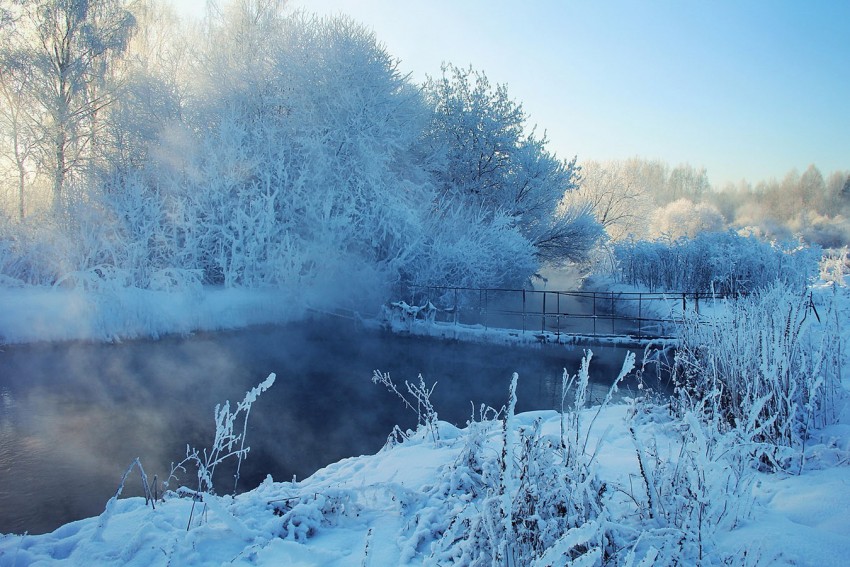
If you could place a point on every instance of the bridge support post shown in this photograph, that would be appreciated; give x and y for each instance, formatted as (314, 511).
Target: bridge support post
(613, 315)
(457, 309)
(523, 311)
(543, 325)
(640, 314)
(558, 318)
(594, 313)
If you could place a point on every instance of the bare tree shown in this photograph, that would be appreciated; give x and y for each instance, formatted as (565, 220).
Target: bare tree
(18, 121)
(70, 45)
(812, 189)
(616, 195)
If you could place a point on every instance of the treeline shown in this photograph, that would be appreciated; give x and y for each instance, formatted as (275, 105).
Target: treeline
(261, 148)
(647, 199)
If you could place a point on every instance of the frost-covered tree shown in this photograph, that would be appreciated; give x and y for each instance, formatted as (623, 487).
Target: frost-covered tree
(266, 148)
(150, 98)
(686, 182)
(19, 121)
(301, 162)
(616, 195)
(812, 188)
(684, 218)
(484, 157)
(69, 46)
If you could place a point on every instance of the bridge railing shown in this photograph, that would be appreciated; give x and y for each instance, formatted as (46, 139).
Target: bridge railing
(596, 313)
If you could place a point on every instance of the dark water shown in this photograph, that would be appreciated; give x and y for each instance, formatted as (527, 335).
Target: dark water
(73, 416)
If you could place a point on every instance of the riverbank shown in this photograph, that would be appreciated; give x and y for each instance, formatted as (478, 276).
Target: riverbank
(45, 314)
(658, 487)
(406, 505)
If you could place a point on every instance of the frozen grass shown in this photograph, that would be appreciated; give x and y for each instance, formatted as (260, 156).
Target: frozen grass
(769, 367)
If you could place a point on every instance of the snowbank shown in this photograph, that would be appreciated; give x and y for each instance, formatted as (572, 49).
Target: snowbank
(30, 314)
(395, 507)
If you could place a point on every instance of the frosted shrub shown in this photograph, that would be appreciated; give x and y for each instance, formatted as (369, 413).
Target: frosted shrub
(175, 279)
(725, 263)
(471, 247)
(33, 251)
(835, 266)
(97, 278)
(518, 496)
(691, 490)
(770, 366)
(301, 518)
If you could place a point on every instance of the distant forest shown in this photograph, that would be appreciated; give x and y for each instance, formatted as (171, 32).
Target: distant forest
(648, 199)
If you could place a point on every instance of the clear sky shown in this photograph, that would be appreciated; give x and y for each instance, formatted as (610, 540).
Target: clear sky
(748, 89)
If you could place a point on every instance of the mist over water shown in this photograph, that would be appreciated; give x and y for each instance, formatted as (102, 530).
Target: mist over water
(73, 416)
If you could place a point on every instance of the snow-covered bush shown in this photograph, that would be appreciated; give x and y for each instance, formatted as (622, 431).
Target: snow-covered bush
(693, 480)
(42, 249)
(685, 219)
(835, 265)
(516, 495)
(725, 263)
(469, 247)
(770, 365)
(301, 518)
(30, 251)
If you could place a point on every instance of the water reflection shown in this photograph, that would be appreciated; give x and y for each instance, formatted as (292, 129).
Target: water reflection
(73, 416)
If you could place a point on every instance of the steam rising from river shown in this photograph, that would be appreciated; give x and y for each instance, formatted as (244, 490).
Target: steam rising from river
(76, 414)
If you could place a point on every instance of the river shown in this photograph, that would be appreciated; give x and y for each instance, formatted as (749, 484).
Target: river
(73, 416)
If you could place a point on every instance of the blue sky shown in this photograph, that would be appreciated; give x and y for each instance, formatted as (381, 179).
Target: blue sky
(747, 89)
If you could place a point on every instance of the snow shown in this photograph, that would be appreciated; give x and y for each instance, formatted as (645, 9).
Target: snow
(43, 313)
(374, 501)
(395, 507)
(802, 520)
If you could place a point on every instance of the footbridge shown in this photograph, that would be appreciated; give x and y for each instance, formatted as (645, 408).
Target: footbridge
(556, 316)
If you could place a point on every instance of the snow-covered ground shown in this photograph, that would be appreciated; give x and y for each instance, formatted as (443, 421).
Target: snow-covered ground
(438, 496)
(30, 314)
